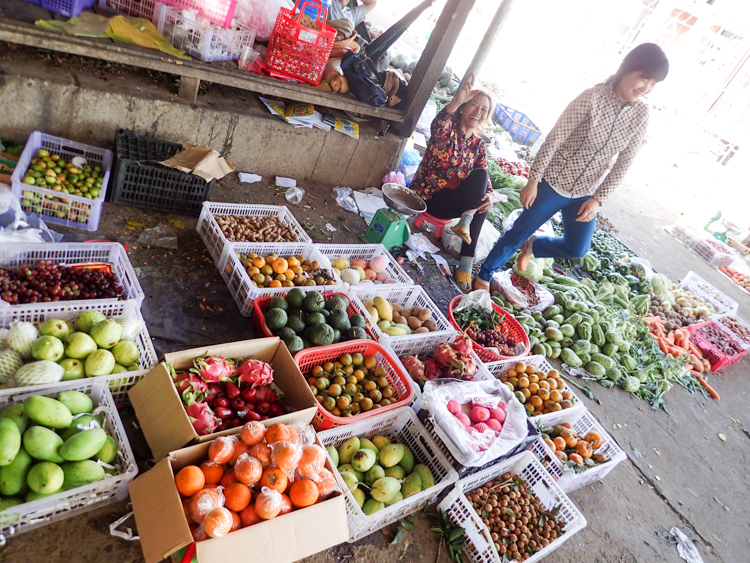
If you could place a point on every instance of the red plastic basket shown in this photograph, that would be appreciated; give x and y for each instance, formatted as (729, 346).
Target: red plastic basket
(260, 306)
(297, 51)
(510, 327)
(399, 380)
(717, 358)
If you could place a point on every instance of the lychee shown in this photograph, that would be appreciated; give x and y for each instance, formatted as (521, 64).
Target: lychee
(462, 418)
(453, 406)
(479, 414)
(497, 414)
(495, 425)
(481, 427)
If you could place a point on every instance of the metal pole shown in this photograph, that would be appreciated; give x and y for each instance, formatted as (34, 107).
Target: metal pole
(489, 39)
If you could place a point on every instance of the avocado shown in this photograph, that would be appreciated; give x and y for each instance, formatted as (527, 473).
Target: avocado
(275, 318)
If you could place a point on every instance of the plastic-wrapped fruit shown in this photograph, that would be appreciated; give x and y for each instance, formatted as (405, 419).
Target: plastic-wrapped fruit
(21, 336)
(10, 363)
(36, 373)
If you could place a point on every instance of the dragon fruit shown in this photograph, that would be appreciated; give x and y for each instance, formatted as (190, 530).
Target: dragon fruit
(463, 344)
(444, 354)
(255, 373)
(415, 368)
(213, 368)
(189, 382)
(432, 369)
(202, 417)
(461, 367)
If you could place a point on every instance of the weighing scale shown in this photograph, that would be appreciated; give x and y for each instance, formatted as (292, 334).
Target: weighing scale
(389, 227)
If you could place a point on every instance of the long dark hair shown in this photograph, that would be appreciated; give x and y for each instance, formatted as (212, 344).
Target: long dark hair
(648, 59)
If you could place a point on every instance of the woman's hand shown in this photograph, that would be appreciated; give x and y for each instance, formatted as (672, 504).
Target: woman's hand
(588, 210)
(528, 193)
(463, 94)
(485, 205)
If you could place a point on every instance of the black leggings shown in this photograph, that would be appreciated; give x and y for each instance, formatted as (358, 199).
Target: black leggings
(450, 204)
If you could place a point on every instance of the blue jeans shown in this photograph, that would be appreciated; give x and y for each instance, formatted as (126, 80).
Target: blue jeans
(574, 243)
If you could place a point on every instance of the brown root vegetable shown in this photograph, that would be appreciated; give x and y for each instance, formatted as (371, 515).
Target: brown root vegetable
(414, 323)
(430, 325)
(425, 315)
(421, 330)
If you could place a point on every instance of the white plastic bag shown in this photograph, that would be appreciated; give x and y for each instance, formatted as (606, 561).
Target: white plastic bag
(17, 227)
(472, 448)
(503, 281)
(260, 15)
(426, 117)
(487, 238)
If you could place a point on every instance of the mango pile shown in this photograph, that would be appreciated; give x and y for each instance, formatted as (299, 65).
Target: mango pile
(48, 446)
(379, 473)
(395, 320)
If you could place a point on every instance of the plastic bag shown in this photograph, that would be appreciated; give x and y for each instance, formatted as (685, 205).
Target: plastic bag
(474, 448)
(478, 299)
(161, 235)
(426, 117)
(17, 227)
(502, 281)
(269, 503)
(260, 15)
(394, 178)
(345, 198)
(487, 238)
(409, 164)
(642, 268)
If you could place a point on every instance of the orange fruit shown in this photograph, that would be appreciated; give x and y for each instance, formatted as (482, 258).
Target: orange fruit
(312, 461)
(286, 505)
(261, 452)
(236, 522)
(204, 501)
(268, 504)
(237, 496)
(186, 506)
(584, 449)
(218, 522)
(221, 450)
(248, 470)
(326, 482)
(289, 274)
(575, 458)
(303, 493)
(239, 448)
(595, 439)
(253, 433)
(189, 480)
(228, 478)
(249, 516)
(559, 443)
(286, 455)
(213, 472)
(561, 455)
(550, 444)
(280, 265)
(292, 261)
(278, 432)
(259, 261)
(275, 283)
(274, 478)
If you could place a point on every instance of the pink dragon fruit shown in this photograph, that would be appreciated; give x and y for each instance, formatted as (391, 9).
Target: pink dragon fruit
(470, 365)
(431, 369)
(190, 382)
(444, 354)
(255, 373)
(415, 367)
(461, 367)
(202, 417)
(463, 344)
(213, 368)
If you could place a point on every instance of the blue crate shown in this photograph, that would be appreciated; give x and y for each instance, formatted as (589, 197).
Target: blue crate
(67, 8)
(521, 129)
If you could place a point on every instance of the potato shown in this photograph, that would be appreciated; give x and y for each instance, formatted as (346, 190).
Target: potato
(414, 323)
(424, 315)
(430, 325)
(400, 319)
(421, 330)
(396, 308)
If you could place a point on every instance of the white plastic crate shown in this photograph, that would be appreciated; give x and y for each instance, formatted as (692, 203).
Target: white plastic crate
(686, 234)
(194, 34)
(407, 296)
(136, 8)
(479, 547)
(568, 480)
(119, 383)
(242, 287)
(402, 426)
(65, 209)
(366, 252)
(69, 253)
(214, 238)
(744, 342)
(549, 419)
(35, 514)
(715, 252)
(723, 304)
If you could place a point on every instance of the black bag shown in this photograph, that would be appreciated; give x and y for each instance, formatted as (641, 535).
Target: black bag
(363, 79)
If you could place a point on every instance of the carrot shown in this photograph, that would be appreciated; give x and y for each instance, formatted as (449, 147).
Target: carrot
(696, 362)
(706, 365)
(663, 345)
(670, 337)
(710, 389)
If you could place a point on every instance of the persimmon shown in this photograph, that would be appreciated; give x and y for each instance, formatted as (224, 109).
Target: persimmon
(237, 496)
(221, 450)
(253, 433)
(203, 502)
(218, 522)
(326, 482)
(575, 458)
(567, 425)
(304, 492)
(248, 470)
(561, 455)
(595, 439)
(550, 444)
(189, 480)
(239, 449)
(584, 449)
(249, 517)
(274, 478)
(559, 443)
(312, 460)
(213, 472)
(228, 479)
(261, 452)
(278, 432)
(236, 522)
(286, 505)
(286, 455)
(268, 504)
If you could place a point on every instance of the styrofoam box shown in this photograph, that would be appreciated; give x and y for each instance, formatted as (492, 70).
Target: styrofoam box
(407, 296)
(69, 253)
(723, 304)
(367, 252)
(35, 514)
(402, 426)
(479, 547)
(214, 238)
(119, 383)
(549, 419)
(242, 287)
(568, 480)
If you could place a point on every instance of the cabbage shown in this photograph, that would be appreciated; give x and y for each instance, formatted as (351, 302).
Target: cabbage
(631, 384)
(534, 271)
(661, 285)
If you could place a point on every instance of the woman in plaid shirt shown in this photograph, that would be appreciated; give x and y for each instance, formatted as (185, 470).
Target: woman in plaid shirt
(569, 173)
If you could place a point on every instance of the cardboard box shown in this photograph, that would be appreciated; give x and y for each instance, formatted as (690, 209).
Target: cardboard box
(7, 166)
(159, 407)
(163, 528)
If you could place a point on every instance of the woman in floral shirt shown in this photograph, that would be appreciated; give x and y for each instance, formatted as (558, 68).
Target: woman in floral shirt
(453, 177)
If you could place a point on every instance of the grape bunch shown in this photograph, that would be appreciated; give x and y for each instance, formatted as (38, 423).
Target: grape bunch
(48, 281)
(490, 338)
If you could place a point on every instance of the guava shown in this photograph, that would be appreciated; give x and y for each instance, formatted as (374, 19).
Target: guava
(73, 369)
(47, 348)
(87, 319)
(106, 333)
(126, 352)
(55, 327)
(79, 345)
(99, 362)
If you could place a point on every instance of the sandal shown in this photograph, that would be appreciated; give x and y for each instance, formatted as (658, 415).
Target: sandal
(462, 279)
(463, 233)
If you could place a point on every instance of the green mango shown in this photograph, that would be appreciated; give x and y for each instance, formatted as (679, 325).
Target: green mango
(80, 473)
(83, 445)
(79, 424)
(10, 441)
(16, 413)
(43, 444)
(347, 467)
(363, 460)
(333, 453)
(108, 452)
(6, 503)
(391, 455)
(385, 489)
(373, 474)
(45, 478)
(372, 506)
(397, 472)
(351, 480)
(13, 476)
(407, 462)
(364, 443)
(425, 475)
(398, 497)
(348, 449)
(380, 442)
(48, 412)
(411, 485)
(77, 402)
(359, 497)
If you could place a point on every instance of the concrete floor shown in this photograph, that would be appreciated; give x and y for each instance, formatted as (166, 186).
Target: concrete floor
(687, 478)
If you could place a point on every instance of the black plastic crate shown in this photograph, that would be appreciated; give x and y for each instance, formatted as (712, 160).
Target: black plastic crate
(140, 181)
(429, 423)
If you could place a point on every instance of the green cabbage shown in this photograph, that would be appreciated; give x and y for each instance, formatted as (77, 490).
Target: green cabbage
(534, 271)
(661, 285)
(631, 384)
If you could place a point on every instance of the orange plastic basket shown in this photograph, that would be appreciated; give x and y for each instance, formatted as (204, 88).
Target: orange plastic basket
(510, 327)
(297, 51)
(399, 380)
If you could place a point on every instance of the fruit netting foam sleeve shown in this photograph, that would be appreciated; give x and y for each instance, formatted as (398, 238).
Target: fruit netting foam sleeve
(464, 444)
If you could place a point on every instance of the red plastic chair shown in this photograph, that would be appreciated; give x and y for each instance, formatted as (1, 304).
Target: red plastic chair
(439, 223)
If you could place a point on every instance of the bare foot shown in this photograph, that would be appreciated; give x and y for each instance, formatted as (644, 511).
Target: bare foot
(479, 283)
(525, 256)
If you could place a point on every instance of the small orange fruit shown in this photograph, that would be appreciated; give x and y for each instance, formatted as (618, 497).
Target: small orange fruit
(280, 265)
(275, 283)
(253, 432)
(198, 533)
(213, 472)
(218, 522)
(261, 452)
(236, 522)
(274, 478)
(239, 448)
(259, 261)
(248, 470)
(278, 432)
(249, 517)
(228, 479)
(268, 504)
(237, 496)
(326, 482)
(575, 458)
(202, 502)
(304, 492)
(286, 505)
(559, 443)
(221, 450)
(189, 480)
(286, 455)
(312, 461)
